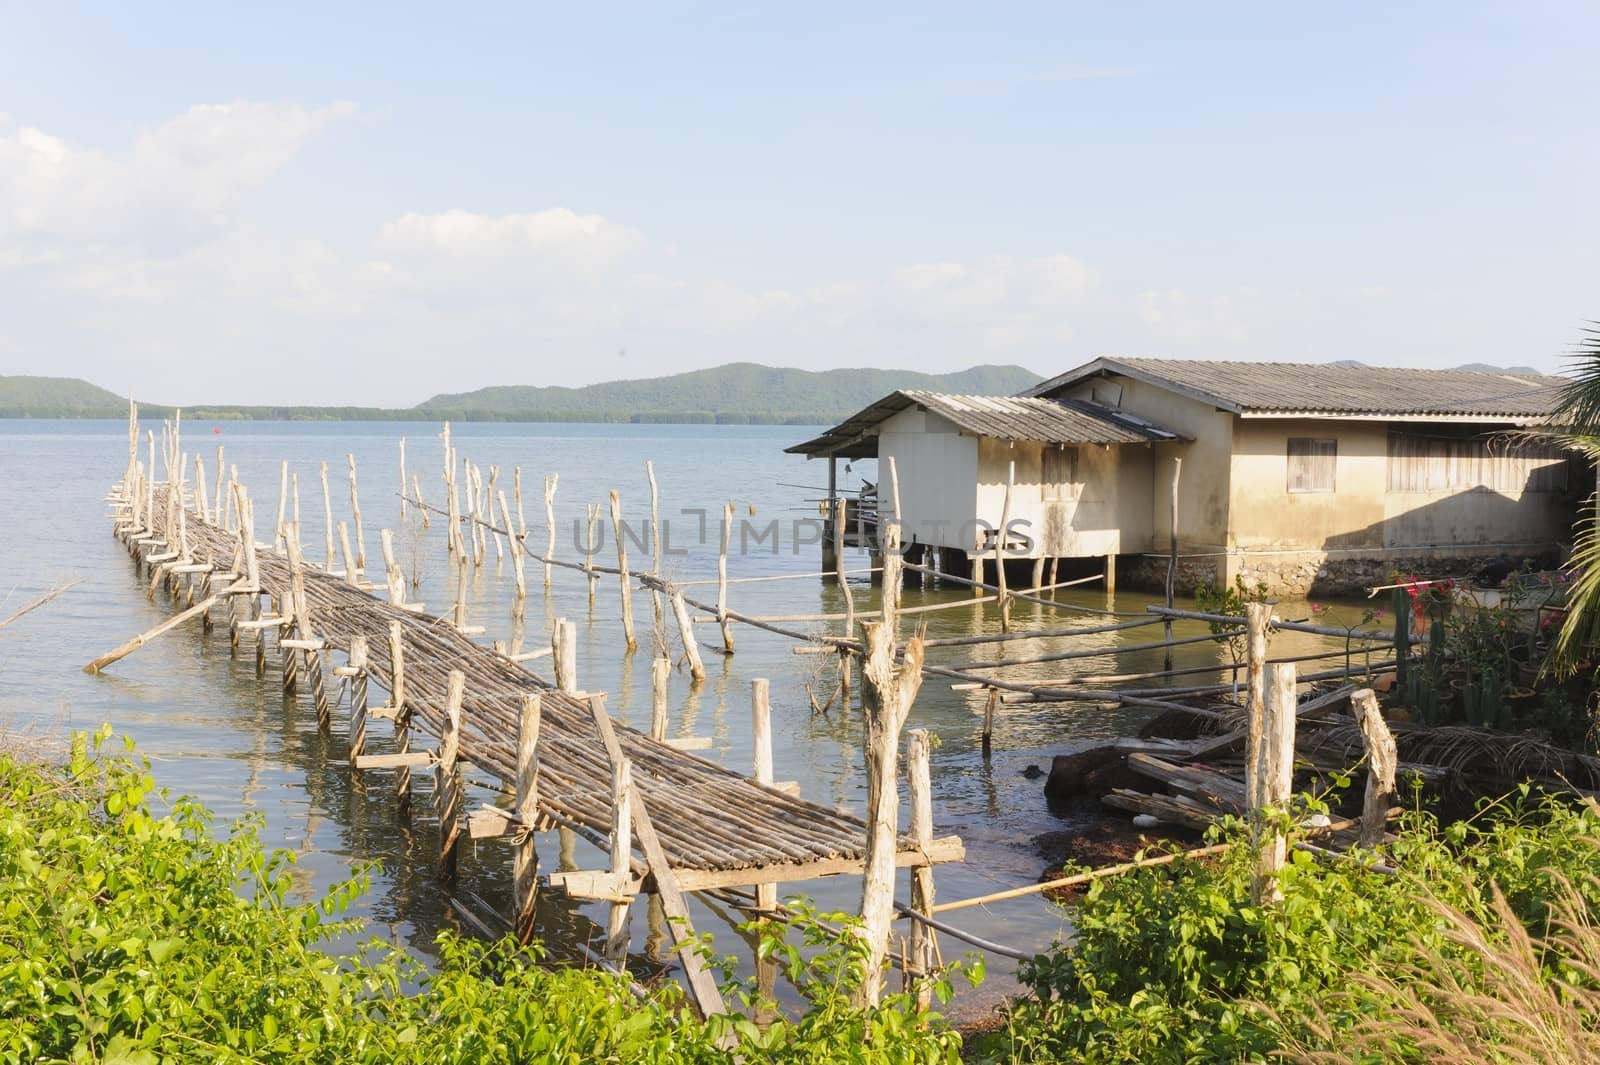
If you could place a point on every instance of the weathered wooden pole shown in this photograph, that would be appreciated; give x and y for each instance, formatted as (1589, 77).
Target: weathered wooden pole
(402, 714)
(616, 948)
(845, 658)
(564, 652)
(1172, 553)
(358, 698)
(459, 618)
(1257, 617)
(691, 646)
(327, 519)
(278, 542)
(447, 777)
(519, 605)
(886, 699)
(660, 673)
(990, 706)
(761, 741)
(624, 578)
(394, 577)
(489, 495)
(551, 480)
(350, 573)
(591, 545)
(1000, 548)
(722, 580)
(1382, 764)
(919, 777)
(524, 850)
(217, 496)
(306, 637)
(403, 480)
(522, 517)
(1275, 780)
(658, 630)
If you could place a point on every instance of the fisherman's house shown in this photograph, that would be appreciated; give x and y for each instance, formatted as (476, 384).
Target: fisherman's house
(1325, 477)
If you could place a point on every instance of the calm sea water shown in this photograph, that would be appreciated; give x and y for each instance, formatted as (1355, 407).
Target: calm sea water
(215, 731)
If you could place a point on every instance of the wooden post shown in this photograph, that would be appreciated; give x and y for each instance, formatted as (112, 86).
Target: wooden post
(349, 556)
(393, 575)
(1172, 552)
(660, 673)
(991, 704)
(591, 545)
(1382, 764)
(402, 715)
(761, 740)
(886, 700)
(722, 580)
(623, 577)
(327, 518)
(1038, 573)
(658, 630)
(452, 502)
(489, 495)
(1275, 778)
(550, 482)
(517, 551)
(522, 518)
(459, 618)
(616, 948)
(691, 647)
(358, 698)
(302, 623)
(283, 503)
(524, 852)
(1257, 617)
(447, 777)
(1000, 549)
(202, 505)
(919, 778)
(217, 496)
(845, 659)
(564, 652)
(422, 505)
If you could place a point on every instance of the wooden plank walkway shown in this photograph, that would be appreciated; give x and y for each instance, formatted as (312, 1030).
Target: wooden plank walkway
(716, 827)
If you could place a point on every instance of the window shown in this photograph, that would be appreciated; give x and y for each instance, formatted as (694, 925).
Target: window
(1058, 470)
(1311, 464)
(1437, 463)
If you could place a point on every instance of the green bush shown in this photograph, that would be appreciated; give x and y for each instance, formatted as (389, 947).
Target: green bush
(1173, 964)
(137, 936)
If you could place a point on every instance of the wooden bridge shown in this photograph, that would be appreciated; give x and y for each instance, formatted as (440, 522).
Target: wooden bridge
(696, 825)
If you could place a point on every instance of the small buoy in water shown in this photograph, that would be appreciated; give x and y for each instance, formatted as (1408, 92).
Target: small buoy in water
(1033, 772)
(1145, 821)
(1318, 821)
(216, 430)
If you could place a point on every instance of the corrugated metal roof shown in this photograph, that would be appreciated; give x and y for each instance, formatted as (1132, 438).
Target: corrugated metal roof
(1287, 387)
(1048, 421)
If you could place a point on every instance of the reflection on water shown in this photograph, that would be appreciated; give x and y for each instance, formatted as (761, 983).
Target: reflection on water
(214, 730)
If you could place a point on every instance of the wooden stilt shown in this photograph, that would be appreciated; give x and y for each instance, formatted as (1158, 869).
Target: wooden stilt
(402, 714)
(358, 698)
(394, 578)
(658, 631)
(447, 777)
(350, 568)
(311, 657)
(1001, 548)
(1172, 551)
(402, 480)
(886, 700)
(761, 740)
(550, 482)
(564, 651)
(422, 506)
(616, 949)
(519, 605)
(327, 518)
(591, 546)
(1275, 778)
(283, 503)
(524, 851)
(920, 780)
(489, 494)
(1257, 617)
(217, 495)
(722, 580)
(624, 580)
(522, 517)
(660, 674)
(691, 647)
(1382, 764)
(991, 704)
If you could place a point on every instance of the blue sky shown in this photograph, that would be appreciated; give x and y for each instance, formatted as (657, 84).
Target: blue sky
(389, 203)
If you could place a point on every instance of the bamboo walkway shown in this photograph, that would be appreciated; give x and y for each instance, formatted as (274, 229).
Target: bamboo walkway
(716, 828)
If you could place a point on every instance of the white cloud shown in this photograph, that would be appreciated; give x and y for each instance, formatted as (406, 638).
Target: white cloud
(138, 269)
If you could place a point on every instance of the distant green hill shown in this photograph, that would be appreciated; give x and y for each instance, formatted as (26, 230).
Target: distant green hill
(739, 393)
(57, 397)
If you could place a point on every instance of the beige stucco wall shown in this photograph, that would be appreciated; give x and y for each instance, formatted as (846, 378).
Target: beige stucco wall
(1106, 511)
(937, 469)
(1203, 487)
